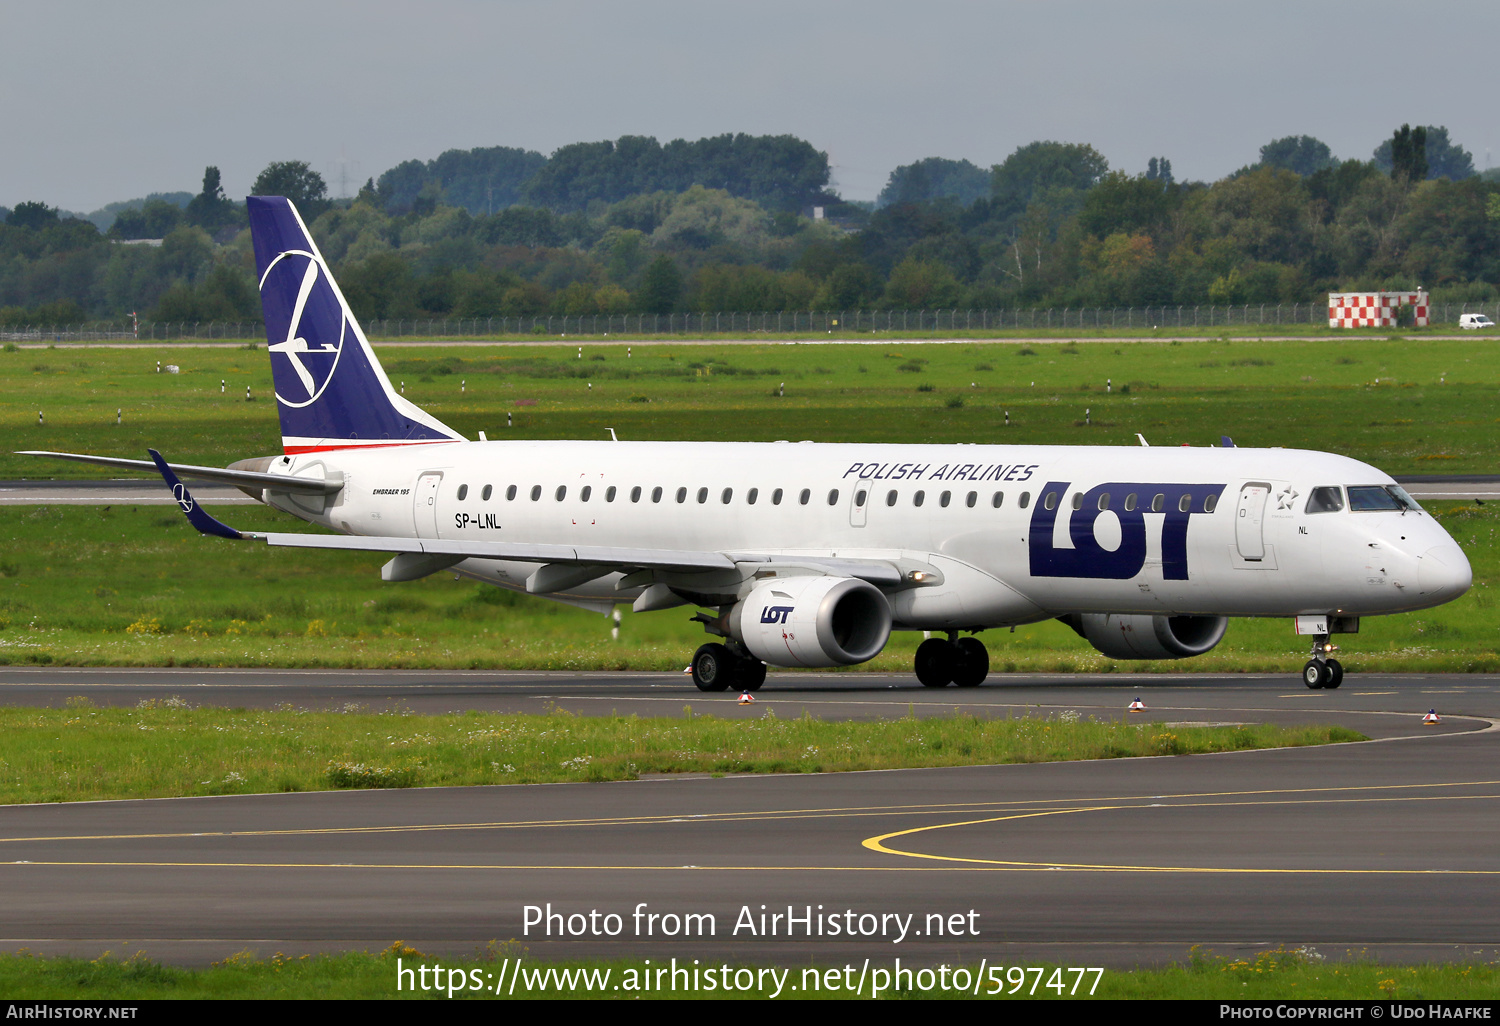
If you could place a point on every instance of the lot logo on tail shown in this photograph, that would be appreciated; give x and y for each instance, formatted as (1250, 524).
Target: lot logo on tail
(296, 287)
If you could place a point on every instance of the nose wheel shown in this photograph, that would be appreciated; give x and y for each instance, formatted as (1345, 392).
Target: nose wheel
(1322, 672)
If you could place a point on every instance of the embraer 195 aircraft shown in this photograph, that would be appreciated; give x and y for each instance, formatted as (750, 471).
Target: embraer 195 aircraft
(811, 554)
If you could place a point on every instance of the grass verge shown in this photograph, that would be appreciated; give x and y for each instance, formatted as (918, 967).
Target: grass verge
(167, 749)
(1274, 974)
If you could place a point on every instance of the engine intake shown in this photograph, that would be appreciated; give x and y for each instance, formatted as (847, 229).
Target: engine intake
(1143, 636)
(812, 621)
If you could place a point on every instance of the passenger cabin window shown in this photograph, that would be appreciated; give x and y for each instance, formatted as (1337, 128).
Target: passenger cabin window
(971, 499)
(776, 497)
(588, 490)
(702, 495)
(656, 494)
(833, 497)
(805, 496)
(944, 499)
(1184, 504)
(890, 497)
(751, 496)
(1210, 502)
(510, 494)
(997, 500)
(536, 492)
(918, 497)
(1104, 500)
(488, 491)
(726, 495)
(1130, 502)
(860, 497)
(561, 493)
(463, 492)
(1372, 498)
(1158, 502)
(609, 494)
(1024, 500)
(1078, 500)
(682, 495)
(635, 494)
(1325, 499)
(1050, 502)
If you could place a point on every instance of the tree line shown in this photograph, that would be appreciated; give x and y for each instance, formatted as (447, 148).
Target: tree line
(587, 231)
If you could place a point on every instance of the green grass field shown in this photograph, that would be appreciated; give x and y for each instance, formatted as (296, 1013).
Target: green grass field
(135, 586)
(168, 749)
(1405, 404)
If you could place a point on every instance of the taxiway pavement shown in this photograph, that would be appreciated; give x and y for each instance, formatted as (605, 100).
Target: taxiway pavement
(1392, 846)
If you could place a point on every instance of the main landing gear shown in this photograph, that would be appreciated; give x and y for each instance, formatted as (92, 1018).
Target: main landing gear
(717, 667)
(1321, 671)
(954, 660)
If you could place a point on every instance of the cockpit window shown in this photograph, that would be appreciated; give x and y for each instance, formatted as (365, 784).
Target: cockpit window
(1390, 498)
(1327, 499)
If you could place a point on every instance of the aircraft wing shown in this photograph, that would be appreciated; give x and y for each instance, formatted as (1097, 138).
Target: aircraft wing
(446, 552)
(878, 572)
(218, 475)
(601, 555)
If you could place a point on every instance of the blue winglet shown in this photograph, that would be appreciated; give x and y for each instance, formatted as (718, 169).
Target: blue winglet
(1226, 442)
(195, 514)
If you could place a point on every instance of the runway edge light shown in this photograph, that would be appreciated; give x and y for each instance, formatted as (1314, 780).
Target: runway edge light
(1137, 705)
(1432, 718)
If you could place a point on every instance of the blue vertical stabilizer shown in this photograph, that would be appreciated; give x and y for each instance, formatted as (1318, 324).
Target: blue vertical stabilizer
(330, 389)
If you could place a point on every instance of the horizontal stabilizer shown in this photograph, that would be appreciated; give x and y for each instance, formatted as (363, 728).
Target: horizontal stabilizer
(218, 475)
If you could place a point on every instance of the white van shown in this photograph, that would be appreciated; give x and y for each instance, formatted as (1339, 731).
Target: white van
(1475, 321)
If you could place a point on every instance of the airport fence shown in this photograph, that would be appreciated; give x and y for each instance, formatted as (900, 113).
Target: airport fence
(955, 321)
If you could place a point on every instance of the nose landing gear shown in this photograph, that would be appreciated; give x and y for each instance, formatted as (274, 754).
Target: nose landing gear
(954, 660)
(1322, 671)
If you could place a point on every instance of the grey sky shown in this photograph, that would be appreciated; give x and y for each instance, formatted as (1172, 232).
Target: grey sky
(102, 101)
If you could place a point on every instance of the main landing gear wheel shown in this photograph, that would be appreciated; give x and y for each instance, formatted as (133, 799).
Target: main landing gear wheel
(934, 663)
(752, 674)
(972, 664)
(714, 667)
(940, 662)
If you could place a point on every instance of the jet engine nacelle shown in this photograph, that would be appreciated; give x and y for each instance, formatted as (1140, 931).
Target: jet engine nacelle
(1142, 636)
(812, 621)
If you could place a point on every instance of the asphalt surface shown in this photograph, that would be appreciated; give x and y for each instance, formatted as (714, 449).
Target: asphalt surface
(1391, 847)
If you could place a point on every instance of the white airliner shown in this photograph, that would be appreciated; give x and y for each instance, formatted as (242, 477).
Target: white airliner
(811, 554)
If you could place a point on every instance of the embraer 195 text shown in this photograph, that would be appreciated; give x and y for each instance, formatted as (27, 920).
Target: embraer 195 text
(811, 554)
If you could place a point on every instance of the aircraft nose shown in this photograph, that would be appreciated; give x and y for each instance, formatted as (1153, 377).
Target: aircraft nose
(1443, 572)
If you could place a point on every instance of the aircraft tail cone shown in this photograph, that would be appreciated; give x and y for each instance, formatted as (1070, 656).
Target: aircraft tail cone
(1432, 718)
(1137, 706)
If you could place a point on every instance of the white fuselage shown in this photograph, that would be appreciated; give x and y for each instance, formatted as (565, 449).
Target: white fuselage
(1231, 534)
